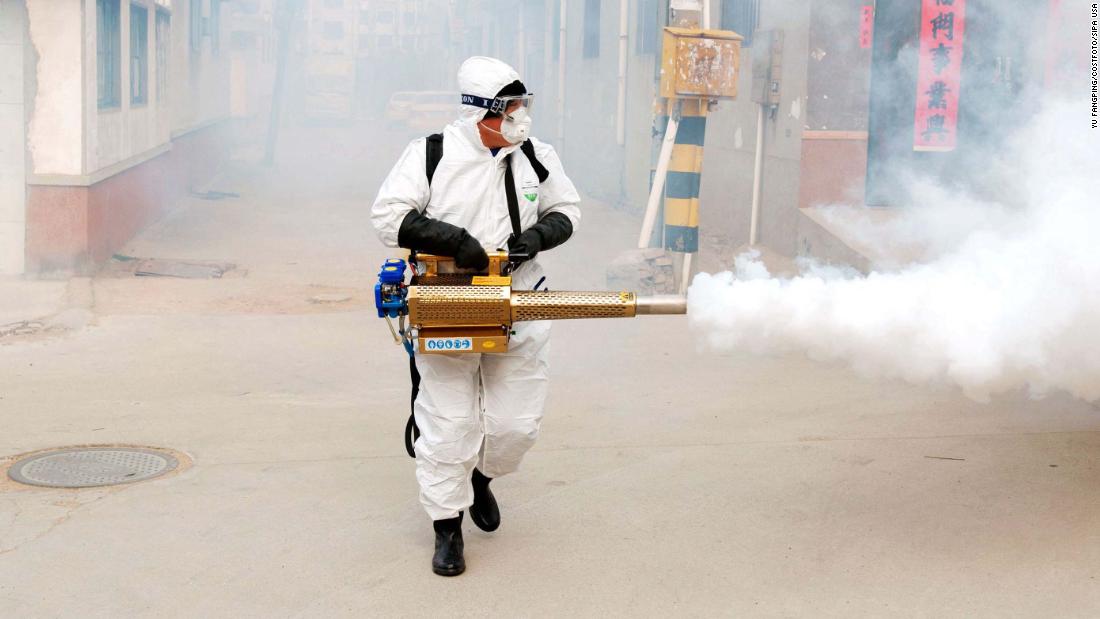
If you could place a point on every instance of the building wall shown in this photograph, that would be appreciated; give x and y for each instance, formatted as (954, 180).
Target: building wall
(834, 144)
(71, 228)
(199, 78)
(252, 42)
(56, 124)
(593, 158)
(603, 168)
(131, 129)
(726, 192)
(97, 176)
(639, 153)
(13, 25)
(63, 34)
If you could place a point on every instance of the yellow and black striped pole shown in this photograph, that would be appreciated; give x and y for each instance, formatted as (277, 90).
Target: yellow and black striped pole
(684, 179)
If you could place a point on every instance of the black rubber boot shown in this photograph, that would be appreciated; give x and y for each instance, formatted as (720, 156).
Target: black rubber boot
(448, 560)
(484, 512)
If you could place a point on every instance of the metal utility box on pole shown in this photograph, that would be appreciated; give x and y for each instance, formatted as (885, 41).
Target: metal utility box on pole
(698, 67)
(700, 63)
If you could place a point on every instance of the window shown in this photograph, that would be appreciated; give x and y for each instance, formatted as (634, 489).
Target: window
(163, 33)
(195, 27)
(741, 16)
(334, 4)
(108, 54)
(139, 54)
(649, 28)
(385, 17)
(591, 28)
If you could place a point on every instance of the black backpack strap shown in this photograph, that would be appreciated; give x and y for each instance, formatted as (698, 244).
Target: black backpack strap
(510, 182)
(433, 152)
(411, 431)
(513, 201)
(540, 170)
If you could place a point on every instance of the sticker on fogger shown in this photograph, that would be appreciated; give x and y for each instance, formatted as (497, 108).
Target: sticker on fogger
(444, 344)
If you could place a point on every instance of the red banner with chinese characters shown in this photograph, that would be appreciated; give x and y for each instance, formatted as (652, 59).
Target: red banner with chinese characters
(866, 25)
(943, 28)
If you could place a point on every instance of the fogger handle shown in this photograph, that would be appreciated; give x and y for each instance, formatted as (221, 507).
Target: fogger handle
(501, 262)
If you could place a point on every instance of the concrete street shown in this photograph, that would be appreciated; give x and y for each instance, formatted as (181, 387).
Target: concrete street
(667, 481)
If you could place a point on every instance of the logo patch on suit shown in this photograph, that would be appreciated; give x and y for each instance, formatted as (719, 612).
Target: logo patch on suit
(531, 190)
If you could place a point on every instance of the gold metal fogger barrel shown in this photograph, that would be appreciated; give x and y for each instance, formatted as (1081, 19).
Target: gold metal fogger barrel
(554, 305)
(459, 306)
(476, 306)
(560, 305)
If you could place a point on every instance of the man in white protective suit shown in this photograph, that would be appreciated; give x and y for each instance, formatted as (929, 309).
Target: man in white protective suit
(478, 414)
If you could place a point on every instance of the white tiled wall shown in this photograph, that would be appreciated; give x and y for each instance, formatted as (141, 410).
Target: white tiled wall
(12, 141)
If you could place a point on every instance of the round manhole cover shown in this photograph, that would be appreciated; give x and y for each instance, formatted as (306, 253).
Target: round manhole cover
(85, 467)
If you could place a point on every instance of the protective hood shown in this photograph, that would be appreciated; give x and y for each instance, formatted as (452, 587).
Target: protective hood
(484, 77)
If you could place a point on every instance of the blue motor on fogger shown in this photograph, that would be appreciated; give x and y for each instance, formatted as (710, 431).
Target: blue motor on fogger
(390, 291)
(391, 299)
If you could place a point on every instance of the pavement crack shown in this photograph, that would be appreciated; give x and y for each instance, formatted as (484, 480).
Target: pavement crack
(70, 511)
(15, 513)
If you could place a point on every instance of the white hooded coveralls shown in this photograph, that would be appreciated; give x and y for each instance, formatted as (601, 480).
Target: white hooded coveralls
(472, 409)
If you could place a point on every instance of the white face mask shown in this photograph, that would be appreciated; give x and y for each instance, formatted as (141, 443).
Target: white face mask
(514, 129)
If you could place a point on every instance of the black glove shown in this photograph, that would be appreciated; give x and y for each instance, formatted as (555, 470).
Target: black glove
(431, 236)
(470, 254)
(524, 247)
(550, 231)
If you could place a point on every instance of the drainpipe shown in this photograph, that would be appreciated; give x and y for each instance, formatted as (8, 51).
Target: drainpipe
(706, 14)
(561, 76)
(620, 114)
(757, 174)
(657, 191)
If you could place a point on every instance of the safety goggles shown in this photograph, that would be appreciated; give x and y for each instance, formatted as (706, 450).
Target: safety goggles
(504, 106)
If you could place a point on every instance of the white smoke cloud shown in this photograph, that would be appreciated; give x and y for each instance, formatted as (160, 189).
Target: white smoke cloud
(1008, 300)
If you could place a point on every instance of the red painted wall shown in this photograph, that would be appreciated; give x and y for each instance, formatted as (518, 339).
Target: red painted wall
(833, 169)
(71, 230)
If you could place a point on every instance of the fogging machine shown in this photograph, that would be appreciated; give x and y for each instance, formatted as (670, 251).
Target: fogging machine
(448, 310)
